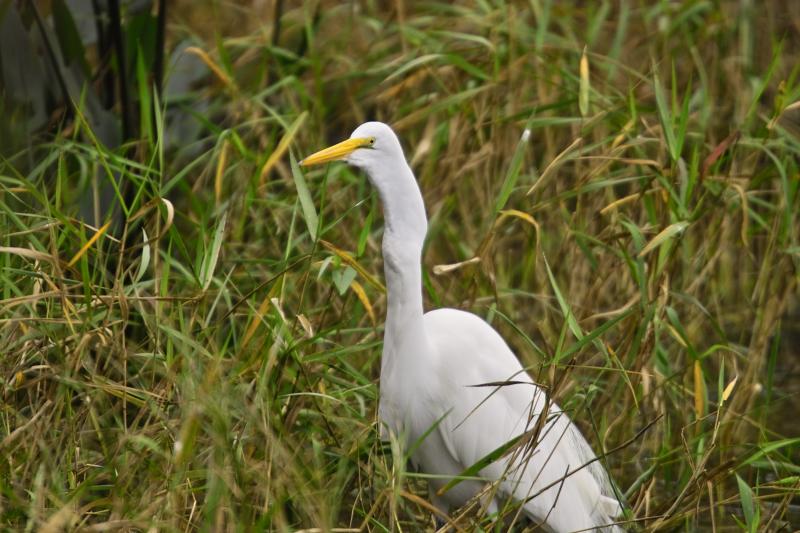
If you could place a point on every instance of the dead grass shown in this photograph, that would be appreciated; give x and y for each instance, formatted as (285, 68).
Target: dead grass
(218, 371)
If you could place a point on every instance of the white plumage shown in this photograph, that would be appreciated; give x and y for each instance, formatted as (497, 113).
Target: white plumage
(443, 370)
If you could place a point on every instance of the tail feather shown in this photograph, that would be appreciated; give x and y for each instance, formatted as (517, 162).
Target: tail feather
(606, 512)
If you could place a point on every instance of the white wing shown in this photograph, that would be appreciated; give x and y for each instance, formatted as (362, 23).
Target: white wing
(468, 352)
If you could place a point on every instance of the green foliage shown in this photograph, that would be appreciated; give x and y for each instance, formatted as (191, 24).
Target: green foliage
(208, 359)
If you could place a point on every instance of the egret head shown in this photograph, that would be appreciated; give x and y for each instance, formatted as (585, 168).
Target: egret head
(371, 146)
(374, 148)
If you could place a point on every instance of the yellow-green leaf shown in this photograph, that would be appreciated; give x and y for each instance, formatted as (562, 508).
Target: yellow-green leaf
(583, 91)
(283, 145)
(663, 236)
(88, 244)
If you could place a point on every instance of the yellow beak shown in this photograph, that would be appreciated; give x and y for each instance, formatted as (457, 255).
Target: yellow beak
(335, 152)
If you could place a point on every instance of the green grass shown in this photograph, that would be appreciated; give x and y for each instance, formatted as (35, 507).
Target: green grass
(210, 361)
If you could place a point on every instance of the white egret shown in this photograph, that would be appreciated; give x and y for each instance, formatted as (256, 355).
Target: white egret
(433, 366)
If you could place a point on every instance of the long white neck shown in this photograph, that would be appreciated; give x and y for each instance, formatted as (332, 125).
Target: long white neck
(403, 238)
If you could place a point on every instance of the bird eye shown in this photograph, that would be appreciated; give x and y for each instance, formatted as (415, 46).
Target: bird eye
(372, 141)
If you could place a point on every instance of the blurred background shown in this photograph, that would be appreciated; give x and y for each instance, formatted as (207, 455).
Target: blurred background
(190, 325)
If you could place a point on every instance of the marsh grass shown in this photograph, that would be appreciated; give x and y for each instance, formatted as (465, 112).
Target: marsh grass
(626, 174)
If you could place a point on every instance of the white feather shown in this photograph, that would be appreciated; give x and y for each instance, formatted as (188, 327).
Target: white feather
(434, 366)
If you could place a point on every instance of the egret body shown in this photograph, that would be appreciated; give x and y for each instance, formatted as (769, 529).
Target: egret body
(448, 374)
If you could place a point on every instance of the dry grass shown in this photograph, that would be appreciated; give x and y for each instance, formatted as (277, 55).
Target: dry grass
(639, 250)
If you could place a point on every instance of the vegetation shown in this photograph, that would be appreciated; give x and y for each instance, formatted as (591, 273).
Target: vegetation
(190, 325)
